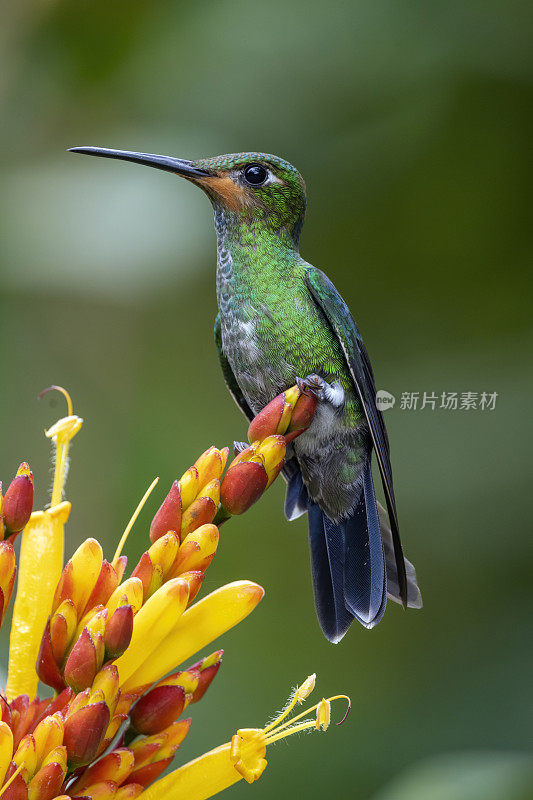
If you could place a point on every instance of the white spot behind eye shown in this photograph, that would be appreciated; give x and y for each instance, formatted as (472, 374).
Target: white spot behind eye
(271, 178)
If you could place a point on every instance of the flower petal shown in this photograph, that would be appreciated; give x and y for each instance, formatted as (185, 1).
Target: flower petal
(40, 563)
(199, 625)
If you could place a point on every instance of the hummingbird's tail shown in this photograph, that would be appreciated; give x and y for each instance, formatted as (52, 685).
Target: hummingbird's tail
(352, 560)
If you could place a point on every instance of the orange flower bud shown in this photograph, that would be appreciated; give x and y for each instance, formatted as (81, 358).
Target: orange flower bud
(23, 714)
(47, 782)
(302, 416)
(59, 703)
(200, 512)
(106, 583)
(247, 454)
(189, 484)
(118, 632)
(84, 732)
(48, 735)
(209, 466)
(164, 551)
(116, 766)
(272, 419)
(197, 550)
(188, 679)
(149, 772)
(174, 736)
(150, 578)
(62, 629)
(128, 593)
(17, 504)
(153, 753)
(79, 576)
(107, 682)
(194, 578)
(242, 485)
(26, 757)
(273, 450)
(168, 517)
(8, 570)
(103, 790)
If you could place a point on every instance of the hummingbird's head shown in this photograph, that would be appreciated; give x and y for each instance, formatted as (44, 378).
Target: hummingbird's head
(255, 187)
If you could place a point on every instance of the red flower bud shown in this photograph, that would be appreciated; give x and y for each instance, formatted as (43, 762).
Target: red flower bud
(47, 668)
(242, 486)
(168, 517)
(118, 632)
(201, 512)
(115, 766)
(84, 732)
(17, 504)
(158, 709)
(84, 661)
(145, 775)
(46, 783)
(208, 668)
(106, 583)
(272, 419)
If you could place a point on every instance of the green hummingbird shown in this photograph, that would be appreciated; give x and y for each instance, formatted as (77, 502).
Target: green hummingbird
(281, 318)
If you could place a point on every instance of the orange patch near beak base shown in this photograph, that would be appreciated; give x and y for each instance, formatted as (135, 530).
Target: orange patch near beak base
(233, 196)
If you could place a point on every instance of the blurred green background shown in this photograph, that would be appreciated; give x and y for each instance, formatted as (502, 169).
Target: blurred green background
(411, 122)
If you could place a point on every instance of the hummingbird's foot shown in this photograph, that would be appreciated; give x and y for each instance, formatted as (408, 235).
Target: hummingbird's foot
(238, 447)
(323, 391)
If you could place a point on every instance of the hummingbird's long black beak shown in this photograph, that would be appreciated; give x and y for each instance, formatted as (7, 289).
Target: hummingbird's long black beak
(167, 163)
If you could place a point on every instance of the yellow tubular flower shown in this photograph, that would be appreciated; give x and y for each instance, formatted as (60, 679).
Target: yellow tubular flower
(40, 563)
(199, 625)
(244, 756)
(152, 623)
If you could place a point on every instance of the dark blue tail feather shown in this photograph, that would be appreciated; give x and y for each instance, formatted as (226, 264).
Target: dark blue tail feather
(347, 559)
(296, 499)
(365, 582)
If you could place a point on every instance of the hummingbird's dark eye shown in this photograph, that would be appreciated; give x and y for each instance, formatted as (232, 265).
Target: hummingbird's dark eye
(255, 174)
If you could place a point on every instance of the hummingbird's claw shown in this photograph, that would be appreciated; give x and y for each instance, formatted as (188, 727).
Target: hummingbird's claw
(238, 447)
(323, 391)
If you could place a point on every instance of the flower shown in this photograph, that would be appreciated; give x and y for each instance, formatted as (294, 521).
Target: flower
(244, 756)
(106, 644)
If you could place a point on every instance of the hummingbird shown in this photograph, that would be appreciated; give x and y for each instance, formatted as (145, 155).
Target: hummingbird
(280, 318)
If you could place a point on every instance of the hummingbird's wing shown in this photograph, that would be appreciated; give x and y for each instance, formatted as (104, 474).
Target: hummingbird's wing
(229, 377)
(341, 321)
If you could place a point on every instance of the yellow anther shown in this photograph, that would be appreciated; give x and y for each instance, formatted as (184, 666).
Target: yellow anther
(303, 691)
(323, 715)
